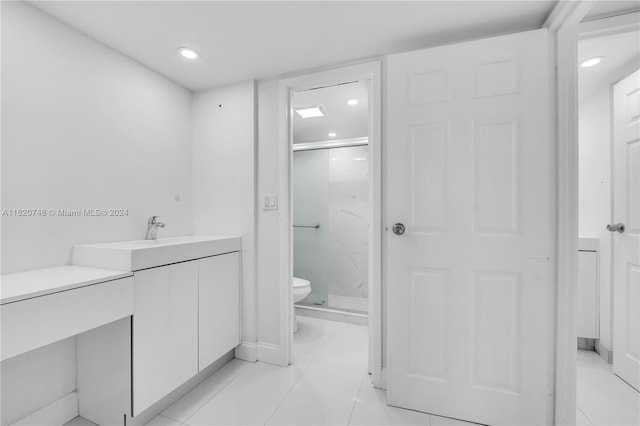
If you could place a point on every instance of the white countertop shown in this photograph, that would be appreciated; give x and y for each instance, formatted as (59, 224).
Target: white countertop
(39, 282)
(142, 254)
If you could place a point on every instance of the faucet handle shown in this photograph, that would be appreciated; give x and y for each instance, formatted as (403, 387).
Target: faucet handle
(152, 219)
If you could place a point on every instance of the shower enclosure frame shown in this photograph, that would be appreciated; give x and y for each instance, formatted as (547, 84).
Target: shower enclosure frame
(329, 145)
(371, 72)
(340, 143)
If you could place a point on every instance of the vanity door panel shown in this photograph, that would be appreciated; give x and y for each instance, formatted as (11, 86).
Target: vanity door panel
(165, 331)
(219, 306)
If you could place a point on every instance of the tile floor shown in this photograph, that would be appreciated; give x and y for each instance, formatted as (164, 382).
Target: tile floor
(329, 384)
(602, 398)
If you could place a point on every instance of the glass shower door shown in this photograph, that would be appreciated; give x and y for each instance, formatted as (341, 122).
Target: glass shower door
(330, 189)
(310, 200)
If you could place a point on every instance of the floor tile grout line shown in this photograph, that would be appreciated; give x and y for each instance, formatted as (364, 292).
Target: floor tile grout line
(598, 366)
(302, 371)
(584, 414)
(173, 420)
(334, 364)
(321, 343)
(333, 331)
(362, 381)
(233, 377)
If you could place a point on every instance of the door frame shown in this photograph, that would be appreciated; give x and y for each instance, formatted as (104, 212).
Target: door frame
(563, 35)
(372, 71)
(566, 30)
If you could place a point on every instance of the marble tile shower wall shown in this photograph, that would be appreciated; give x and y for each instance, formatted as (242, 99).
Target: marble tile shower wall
(348, 219)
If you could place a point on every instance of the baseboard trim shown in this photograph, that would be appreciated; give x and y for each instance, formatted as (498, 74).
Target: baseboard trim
(247, 351)
(586, 343)
(270, 353)
(383, 379)
(55, 414)
(332, 314)
(605, 353)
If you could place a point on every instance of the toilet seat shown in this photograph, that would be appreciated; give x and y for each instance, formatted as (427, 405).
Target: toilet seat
(301, 289)
(300, 282)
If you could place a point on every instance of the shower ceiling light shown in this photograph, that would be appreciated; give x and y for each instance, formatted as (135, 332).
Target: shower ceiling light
(591, 62)
(311, 111)
(332, 135)
(352, 102)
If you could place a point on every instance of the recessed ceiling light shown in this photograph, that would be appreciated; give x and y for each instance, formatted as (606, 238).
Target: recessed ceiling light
(311, 111)
(188, 53)
(352, 102)
(332, 135)
(591, 62)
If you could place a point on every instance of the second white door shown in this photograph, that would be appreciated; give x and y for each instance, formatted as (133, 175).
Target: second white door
(469, 282)
(626, 245)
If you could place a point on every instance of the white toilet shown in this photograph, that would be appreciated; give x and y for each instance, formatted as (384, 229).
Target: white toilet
(301, 289)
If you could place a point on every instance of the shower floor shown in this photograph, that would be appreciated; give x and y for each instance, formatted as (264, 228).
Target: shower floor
(350, 303)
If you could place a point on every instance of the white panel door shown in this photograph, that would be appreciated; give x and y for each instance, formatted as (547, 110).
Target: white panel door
(165, 331)
(626, 245)
(469, 287)
(219, 306)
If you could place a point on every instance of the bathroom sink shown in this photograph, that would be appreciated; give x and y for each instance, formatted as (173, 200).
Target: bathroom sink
(142, 254)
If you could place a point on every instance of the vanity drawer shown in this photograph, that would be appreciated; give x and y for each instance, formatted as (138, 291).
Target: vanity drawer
(32, 323)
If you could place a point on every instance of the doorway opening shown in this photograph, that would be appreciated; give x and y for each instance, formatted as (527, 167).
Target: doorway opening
(331, 211)
(334, 203)
(608, 328)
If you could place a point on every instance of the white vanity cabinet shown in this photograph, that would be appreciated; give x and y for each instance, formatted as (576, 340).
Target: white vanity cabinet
(218, 307)
(587, 290)
(48, 305)
(186, 316)
(186, 312)
(587, 295)
(165, 331)
(93, 306)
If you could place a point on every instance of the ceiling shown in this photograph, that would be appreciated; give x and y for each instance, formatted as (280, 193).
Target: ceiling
(241, 40)
(608, 8)
(621, 56)
(346, 121)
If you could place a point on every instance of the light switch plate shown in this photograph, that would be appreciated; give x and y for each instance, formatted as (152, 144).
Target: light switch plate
(270, 202)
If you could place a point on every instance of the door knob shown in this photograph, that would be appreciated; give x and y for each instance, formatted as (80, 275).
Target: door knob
(398, 229)
(616, 227)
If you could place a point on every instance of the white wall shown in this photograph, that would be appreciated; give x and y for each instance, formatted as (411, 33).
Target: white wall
(269, 222)
(82, 127)
(85, 127)
(224, 177)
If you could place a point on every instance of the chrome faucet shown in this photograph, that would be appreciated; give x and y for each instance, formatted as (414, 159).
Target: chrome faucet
(152, 228)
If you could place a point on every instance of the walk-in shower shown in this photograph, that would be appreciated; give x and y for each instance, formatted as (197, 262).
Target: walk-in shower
(331, 211)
